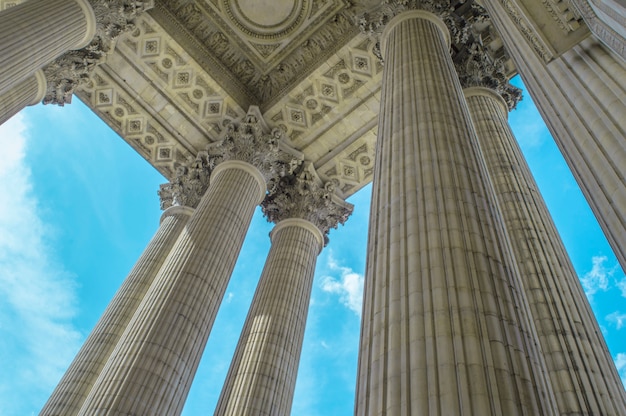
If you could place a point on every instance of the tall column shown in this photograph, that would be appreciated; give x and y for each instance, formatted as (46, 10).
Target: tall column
(262, 376)
(151, 369)
(583, 376)
(178, 198)
(445, 326)
(34, 33)
(581, 96)
(28, 92)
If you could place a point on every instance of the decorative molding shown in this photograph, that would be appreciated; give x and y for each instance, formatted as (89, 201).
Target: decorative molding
(526, 29)
(265, 67)
(458, 26)
(302, 195)
(310, 105)
(565, 16)
(600, 29)
(477, 67)
(352, 168)
(67, 72)
(5, 4)
(189, 184)
(122, 113)
(250, 140)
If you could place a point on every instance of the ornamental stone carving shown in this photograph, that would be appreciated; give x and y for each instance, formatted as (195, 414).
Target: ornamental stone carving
(374, 24)
(302, 195)
(189, 184)
(68, 71)
(477, 67)
(250, 140)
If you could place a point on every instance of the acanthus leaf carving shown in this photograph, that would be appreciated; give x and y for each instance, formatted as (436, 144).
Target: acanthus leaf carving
(248, 139)
(478, 68)
(189, 184)
(66, 73)
(303, 195)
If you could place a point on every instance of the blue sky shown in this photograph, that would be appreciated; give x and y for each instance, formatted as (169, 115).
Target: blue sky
(79, 206)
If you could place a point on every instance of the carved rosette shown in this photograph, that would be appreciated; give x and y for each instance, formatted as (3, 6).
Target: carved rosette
(189, 184)
(302, 195)
(250, 140)
(374, 24)
(478, 68)
(66, 73)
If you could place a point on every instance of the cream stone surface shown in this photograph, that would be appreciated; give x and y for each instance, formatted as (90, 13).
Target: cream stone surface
(442, 329)
(448, 328)
(80, 377)
(27, 92)
(582, 98)
(151, 369)
(581, 369)
(33, 33)
(262, 376)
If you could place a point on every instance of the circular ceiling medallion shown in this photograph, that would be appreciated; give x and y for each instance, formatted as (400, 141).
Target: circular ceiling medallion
(266, 19)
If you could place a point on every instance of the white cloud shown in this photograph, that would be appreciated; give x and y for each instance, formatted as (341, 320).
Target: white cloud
(621, 285)
(617, 318)
(620, 363)
(37, 297)
(597, 279)
(349, 286)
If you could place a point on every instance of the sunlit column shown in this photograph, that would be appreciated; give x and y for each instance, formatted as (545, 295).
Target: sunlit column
(178, 198)
(151, 369)
(28, 92)
(583, 376)
(445, 325)
(262, 376)
(581, 96)
(33, 33)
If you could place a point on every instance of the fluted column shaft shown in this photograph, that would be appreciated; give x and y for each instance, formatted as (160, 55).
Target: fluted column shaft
(75, 385)
(583, 375)
(581, 96)
(262, 375)
(151, 370)
(28, 92)
(444, 329)
(34, 33)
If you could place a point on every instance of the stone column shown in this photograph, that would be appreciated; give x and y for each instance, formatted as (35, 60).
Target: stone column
(581, 96)
(445, 325)
(151, 369)
(34, 33)
(262, 376)
(28, 92)
(583, 376)
(178, 198)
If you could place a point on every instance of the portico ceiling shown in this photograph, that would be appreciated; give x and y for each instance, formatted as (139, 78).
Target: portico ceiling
(191, 65)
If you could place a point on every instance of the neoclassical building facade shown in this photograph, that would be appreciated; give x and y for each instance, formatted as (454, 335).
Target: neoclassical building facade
(471, 305)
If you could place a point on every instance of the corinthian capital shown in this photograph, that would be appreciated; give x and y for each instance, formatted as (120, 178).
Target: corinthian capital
(303, 195)
(113, 17)
(478, 68)
(373, 24)
(250, 140)
(189, 184)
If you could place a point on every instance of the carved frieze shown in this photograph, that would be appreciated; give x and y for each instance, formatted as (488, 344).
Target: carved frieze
(352, 168)
(68, 71)
(249, 139)
(263, 62)
(179, 76)
(189, 183)
(303, 195)
(122, 113)
(328, 93)
(478, 68)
